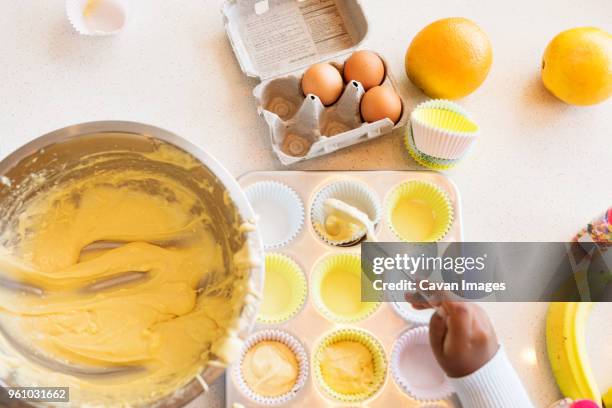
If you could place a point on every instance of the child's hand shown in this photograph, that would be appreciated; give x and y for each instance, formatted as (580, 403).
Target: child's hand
(462, 337)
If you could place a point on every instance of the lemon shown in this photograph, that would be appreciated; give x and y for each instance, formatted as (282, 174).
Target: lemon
(450, 58)
(577, 66)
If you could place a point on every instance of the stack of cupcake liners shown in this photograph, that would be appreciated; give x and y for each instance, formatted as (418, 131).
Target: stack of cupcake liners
(440, 134)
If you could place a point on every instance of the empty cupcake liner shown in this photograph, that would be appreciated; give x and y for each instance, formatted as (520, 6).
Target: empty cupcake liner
(294, 288)
(430, 194)
(98, 17)
(349, 264)
(353, 193)
(378, 357)
(280, 211)
(412, 315)
(423, 159)
(415, 370)
(290, 341)
(443, 129)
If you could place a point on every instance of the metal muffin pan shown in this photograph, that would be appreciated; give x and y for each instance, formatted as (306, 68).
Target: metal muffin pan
(307, 249)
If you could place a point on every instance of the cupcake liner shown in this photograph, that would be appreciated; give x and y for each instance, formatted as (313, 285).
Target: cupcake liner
(412, 315)
(443, 129)
(294, 287)
(98, 17)
(424, 160)
(353, 193)
(293, 344)
(412, 354)
(349, 264)
(280, 211)
(430, 194)
(378, 357)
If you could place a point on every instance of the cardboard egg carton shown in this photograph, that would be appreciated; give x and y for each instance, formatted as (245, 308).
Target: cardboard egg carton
(276, 41)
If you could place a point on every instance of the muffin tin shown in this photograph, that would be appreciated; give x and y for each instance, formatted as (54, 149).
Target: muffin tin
(276, 41)
(307, 249)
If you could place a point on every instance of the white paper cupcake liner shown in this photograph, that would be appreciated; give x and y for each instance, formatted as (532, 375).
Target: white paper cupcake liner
(280, 211)
(412, 315)
(353, 193)
(427, 382)
(437, 142)
(98, 17)
(293, 344)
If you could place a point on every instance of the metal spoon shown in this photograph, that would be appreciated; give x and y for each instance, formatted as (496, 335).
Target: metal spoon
(350, 214)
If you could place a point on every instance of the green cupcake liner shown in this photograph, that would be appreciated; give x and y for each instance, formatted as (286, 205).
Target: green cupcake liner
(430, 194)
(378, 357)
(349, 264)
(283, 276)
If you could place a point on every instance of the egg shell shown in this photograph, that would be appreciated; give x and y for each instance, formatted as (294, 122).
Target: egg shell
(324, 81)
(365, 67)
(381, 102)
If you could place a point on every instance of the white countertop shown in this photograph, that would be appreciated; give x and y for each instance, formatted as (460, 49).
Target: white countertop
(540, 172)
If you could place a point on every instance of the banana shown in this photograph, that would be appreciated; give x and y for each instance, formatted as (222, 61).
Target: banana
(607, 399)
(565, 340)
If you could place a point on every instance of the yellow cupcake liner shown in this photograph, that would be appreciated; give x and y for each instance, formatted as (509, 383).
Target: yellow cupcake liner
(352, 264)
(443, 129)
(424, 160)
(291, 271)
(434, 196)
(378, 357)
(444, 117)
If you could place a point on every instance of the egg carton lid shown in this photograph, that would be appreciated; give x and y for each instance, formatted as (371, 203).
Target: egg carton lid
(274, 37)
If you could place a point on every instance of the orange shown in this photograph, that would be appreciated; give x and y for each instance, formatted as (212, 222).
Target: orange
(577, 66)
(450, 58)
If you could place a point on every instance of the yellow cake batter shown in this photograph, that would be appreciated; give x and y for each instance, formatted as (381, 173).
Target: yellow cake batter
(338, 229)
(413, 219)
(270, 368)
(160, 327)
(347, 367)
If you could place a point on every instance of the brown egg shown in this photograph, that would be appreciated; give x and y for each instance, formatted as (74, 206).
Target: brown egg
(381, 102)
(365, 67)
(323, 80)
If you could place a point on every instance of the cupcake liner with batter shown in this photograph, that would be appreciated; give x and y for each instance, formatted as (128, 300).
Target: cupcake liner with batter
(296, 347)
(353, 193)
(378, 357)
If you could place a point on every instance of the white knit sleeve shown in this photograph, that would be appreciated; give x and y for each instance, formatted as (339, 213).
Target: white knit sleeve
(495, 385)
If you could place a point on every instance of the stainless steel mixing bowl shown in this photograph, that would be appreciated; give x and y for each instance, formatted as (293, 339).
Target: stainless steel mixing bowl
(69, 144)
